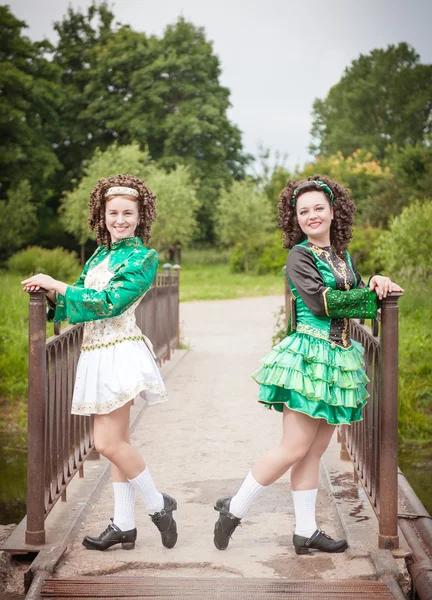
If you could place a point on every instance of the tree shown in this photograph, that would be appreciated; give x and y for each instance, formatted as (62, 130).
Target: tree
(176, 195)
(18, 221)
(74, 209)
(165, 94)
(244, 218)
(372, 185)
(383, 98)
(177, 206)
(29, 98)
(79, 33)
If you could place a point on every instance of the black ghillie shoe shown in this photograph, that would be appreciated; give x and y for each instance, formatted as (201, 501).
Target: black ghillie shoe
(225, 525)
(318, 541)
(111, 536)
(164, 521)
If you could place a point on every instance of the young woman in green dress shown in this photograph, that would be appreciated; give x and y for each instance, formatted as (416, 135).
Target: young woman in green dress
(315, 377)
(116, 361)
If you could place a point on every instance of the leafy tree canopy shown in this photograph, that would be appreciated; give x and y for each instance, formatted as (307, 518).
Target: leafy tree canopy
(177, 201)
(383, 98)
(29, 98)
(18, 221)
(163, 93)
(244, 218)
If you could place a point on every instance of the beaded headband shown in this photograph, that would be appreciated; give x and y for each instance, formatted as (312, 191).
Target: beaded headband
(122, 191)
(324, 187)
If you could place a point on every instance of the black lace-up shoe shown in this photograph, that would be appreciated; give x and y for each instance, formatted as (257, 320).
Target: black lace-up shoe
(318, 541)
(164, 521)
(111, 536)
(225, 525)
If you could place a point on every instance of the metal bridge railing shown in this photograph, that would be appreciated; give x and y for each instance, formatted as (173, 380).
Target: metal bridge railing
(58, 442)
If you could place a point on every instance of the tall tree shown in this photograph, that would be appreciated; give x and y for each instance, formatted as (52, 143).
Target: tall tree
(244, 218)
(177, 202)
(383, 98)
(165, 93)
(29, 98)
(79, 33)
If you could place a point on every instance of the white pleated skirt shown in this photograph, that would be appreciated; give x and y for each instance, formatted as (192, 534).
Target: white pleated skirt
(108, 378)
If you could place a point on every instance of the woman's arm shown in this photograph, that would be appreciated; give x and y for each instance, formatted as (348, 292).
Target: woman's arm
(55, 289)
(81, 304)
(321, 300)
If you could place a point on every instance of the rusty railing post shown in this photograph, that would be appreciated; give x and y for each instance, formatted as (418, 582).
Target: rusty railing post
(35, 532)
(177, 272)
(388, 438)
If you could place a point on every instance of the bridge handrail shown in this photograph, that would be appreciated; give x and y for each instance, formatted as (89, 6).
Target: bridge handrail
(372, 444)
(58, 442)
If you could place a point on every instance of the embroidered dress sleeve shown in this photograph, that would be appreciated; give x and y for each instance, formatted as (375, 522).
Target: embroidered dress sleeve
(56, 311)
(321, 300)
(130, 282)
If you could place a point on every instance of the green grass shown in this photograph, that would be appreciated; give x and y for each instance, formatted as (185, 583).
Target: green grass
(415, 362)
(13, 351)
(205, 275)
(217, 283)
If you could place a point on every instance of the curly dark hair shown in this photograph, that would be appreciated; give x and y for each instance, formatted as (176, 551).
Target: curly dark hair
(146, 207)
(343, 213)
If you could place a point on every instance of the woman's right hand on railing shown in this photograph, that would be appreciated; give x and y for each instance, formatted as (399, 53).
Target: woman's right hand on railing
(383, 285)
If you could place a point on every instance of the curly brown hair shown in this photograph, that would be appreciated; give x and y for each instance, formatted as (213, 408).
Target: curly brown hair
(146, 207)
(343, 213)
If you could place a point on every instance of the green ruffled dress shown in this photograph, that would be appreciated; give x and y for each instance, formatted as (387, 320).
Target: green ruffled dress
(316, 369)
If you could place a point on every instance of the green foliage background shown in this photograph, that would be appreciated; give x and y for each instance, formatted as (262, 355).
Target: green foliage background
(106, 99)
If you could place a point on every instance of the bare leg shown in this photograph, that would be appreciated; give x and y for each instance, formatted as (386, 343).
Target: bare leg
(299, 431)
(304, 483)
(305, 472)
(109, 435)
(116, 474)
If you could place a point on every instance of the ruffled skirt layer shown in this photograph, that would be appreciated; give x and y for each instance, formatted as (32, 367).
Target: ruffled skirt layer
(107, 378)
(312, 376)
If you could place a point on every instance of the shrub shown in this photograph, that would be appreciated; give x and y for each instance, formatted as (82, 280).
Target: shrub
(58, 263)
(272, 258)
(406, 249)
(362, 247)
(244, 218)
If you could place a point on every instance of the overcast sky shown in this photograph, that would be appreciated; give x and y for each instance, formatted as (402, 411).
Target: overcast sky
(276, 55)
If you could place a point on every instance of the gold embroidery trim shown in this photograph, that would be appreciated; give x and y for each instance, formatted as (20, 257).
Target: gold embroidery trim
(313, 331)
(325, 300)
(113, 343)
(342, 270)
(322, 335)
(344, 335)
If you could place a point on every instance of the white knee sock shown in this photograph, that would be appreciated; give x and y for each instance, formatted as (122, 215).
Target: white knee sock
(153, 499)
(124, 505)
(249, 490)
(304, 507)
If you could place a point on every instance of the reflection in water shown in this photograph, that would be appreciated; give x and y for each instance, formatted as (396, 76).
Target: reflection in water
(415, 460)
(13, 469)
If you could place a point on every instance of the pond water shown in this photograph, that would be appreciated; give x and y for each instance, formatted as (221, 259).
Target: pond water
(13, 477)
(415, 460)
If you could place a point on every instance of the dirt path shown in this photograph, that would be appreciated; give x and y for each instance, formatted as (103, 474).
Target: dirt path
(199, 446)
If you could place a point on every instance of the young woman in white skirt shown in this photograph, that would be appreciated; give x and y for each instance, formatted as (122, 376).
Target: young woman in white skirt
(116, 361)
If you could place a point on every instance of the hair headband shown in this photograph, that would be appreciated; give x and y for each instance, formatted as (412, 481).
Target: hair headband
(324, 187)
(122, 191)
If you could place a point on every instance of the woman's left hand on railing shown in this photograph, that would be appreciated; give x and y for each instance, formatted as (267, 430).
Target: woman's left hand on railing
(383, 285)
(36, 282)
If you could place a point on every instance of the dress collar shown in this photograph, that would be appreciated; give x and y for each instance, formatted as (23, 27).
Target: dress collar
(127, 243)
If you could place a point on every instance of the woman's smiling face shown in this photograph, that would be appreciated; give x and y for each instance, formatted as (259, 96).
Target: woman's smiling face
(314, 215)
(121, 217)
